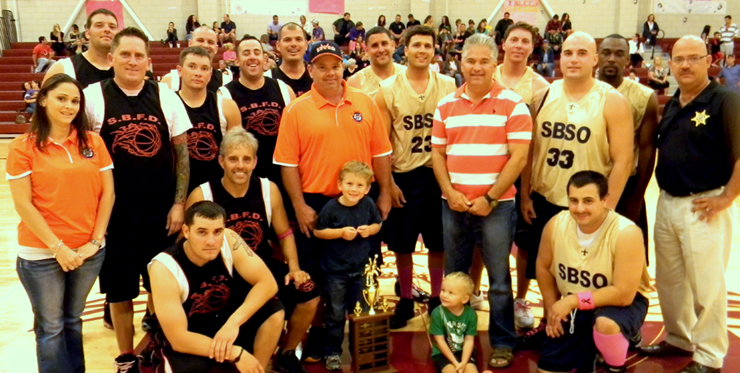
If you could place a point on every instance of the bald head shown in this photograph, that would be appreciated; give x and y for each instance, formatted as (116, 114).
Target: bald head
(205, 37)
(690, 62)
(689, 41)
(582, 39)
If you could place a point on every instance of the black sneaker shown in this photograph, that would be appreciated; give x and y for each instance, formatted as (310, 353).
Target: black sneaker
(600, 366)
(107, 321)
(127, 363)
(635, 342)
(314, 347)
(403, 313)
(417, 293)
(287, 362)
(149, 322)
(434, 302)
(533, 339)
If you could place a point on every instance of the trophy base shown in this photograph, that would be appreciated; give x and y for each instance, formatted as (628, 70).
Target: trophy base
(369, 337)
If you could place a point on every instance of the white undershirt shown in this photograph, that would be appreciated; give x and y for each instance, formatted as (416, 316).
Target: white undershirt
(587, 239)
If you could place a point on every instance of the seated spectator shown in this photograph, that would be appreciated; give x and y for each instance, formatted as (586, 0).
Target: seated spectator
(435, 65)
(537, 42)
(429, 22)
(346, 224)
(171, 36)
(29, 97)
(57, 41)
(232, 317)
(216, 29)
(730, 74)
(351, 69)
(633, 76)
(636, 51)
(229, 55)
(658, 75)
(501, 26)
(77, 41)
(317, 34)
(354, 33)
(566, 28)
(714, 49)
(546, 61)
(556, 40)
(460, 36)
(357, 51)
(553, 25)
(342, 27)
(225, 70)
(471, 27)
(412, 22)
(306, 27)
(228, 31)
(650, 30)
(397, 28)
(399, 53)
(190, 26)
(452, 68)
(483, 28)
(42, 55)
(266, 47)
(273, 29)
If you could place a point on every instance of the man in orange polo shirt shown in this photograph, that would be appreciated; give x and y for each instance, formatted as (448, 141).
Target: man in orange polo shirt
(337, 124)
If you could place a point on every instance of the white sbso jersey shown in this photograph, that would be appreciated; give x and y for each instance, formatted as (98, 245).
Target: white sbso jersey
(413, 114)
(569, 137)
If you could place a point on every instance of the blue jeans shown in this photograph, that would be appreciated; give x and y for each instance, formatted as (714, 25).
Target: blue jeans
(494, 233)
(58, 299)
(43, 64)
(342, 292)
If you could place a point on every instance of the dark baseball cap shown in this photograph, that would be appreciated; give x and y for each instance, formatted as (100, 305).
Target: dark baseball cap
(323, 48)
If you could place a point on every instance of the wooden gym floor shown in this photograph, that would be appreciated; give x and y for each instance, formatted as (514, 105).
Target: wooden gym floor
(17, 346)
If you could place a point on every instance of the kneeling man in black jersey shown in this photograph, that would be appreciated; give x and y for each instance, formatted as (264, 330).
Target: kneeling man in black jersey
(215, 299)
(593, 277)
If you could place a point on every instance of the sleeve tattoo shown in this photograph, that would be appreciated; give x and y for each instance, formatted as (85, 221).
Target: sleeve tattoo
(239, 243)
(182, 167)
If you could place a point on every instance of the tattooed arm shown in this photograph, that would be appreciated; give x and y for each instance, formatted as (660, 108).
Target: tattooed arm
(176, 217)
(253, 270)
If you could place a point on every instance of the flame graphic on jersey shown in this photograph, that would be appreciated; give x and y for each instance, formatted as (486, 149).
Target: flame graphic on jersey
(214, 298)
(139, 139)
(202, 146)
(250, 231)
(264, 121)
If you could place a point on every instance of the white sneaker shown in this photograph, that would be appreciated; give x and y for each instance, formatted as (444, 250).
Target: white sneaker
(523, 318)
(476, 301)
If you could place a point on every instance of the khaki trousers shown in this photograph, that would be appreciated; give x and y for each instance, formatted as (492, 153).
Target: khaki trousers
(691, 259)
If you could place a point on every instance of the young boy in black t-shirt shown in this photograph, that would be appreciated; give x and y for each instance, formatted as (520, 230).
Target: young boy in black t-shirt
(346, 223)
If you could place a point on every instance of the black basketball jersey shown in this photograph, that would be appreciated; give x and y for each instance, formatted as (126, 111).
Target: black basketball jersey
(261, 110)
(136, 134)
(81, 69)
(299, 86)
(203, 141)
(214, 292)
(248, 216)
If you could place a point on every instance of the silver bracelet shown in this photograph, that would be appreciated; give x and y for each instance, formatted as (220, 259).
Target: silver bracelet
(59, 246)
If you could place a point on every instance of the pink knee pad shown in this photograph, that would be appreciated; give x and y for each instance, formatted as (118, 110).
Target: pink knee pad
(613, 347)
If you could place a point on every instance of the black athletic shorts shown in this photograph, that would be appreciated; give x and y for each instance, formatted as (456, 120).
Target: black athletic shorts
(440, 361)
(128, 251)
(186, 363)
(288, 294)
(545, 211)
(421, 214)
(577, 350)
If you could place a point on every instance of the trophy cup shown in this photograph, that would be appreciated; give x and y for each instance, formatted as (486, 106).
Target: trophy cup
(369, 332)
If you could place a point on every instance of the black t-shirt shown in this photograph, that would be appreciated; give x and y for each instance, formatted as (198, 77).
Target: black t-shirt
(227, 27)
(343, 26)
(410, 24)
(699, 143)
(461, 39)
(203, 141)
(397, 27)
(247, 216)
(299, 86)
(261, 110)
(88, 74)
(340, 255)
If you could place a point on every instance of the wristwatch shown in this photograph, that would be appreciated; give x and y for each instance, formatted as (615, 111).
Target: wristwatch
(493, 202)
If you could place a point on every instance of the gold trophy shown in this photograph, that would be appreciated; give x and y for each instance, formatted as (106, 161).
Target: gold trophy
(358, 309)
(384, 304)
(371, 294)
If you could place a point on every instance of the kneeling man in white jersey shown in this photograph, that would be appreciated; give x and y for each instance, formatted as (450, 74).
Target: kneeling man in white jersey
(593, 277)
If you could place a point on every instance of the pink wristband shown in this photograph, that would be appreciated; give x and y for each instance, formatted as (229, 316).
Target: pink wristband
(285, 234)
(585, 301)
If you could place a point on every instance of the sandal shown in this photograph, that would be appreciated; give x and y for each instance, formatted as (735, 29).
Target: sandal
(500, 354)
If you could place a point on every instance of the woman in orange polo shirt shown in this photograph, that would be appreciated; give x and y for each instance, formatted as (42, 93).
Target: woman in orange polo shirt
(62, 185)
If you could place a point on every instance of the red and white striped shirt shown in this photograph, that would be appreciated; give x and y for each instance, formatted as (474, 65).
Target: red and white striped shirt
(476, 137)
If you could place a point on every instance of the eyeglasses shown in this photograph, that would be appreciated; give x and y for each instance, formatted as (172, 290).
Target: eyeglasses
(692, 60)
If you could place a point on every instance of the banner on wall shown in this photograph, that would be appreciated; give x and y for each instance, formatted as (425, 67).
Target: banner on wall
(326, 6)
(523, 10)
(113, 6)
(274, 7)
(690, 7)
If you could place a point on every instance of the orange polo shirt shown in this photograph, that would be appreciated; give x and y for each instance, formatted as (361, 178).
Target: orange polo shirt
(65, 186)
(319, 137)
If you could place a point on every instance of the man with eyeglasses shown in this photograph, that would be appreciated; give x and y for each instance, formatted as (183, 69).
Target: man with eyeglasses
(699, 176)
